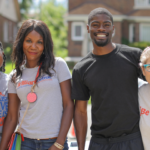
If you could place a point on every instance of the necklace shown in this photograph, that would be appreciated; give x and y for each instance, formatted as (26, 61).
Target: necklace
(31, 97)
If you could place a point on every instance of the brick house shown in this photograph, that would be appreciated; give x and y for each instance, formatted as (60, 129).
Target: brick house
(9, 19)
(131, 20)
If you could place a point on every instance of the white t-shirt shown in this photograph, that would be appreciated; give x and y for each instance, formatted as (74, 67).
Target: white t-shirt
(43, 117)
(144, 103)
(3, 99)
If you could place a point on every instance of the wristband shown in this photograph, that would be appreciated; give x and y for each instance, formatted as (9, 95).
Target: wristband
(58, 145)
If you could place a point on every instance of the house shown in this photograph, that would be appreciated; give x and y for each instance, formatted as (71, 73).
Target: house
(131, 20)
(9, 19)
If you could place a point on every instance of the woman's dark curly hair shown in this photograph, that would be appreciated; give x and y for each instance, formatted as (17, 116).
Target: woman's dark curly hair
(47, 58)
(4, 59)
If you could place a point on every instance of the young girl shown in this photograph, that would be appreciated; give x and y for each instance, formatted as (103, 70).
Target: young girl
(144, 99)
(3, 89)
(44, 79)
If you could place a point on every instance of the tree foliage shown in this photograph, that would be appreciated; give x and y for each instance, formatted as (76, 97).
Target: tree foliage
(24, 7)
(52, 14)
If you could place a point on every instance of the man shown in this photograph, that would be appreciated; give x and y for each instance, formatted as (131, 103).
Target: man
(109, 75)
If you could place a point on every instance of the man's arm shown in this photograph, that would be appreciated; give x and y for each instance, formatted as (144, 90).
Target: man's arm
(80, 122)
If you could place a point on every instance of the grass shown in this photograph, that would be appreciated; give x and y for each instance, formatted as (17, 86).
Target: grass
(8, 67)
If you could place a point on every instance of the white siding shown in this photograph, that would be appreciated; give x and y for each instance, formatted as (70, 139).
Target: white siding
(8, 10)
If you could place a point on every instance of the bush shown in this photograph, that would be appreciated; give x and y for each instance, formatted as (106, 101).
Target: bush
(141, 45)
(71, 64)
(61, 53)
(8, 52)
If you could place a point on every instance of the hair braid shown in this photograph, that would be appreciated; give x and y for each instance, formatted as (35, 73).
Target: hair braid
(4, 61)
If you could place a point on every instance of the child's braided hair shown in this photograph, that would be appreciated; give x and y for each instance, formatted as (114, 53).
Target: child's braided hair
(4, 59)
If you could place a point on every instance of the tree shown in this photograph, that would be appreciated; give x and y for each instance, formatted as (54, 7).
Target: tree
(52, 14)
(24, 7)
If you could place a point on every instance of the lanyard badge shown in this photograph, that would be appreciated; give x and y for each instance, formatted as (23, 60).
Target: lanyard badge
(32, 97)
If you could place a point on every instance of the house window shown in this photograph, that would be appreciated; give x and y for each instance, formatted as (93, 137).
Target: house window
(5, 31)
(77, 31)
(10, 31)
(131, 33)
(141, 4)
(145, 32)
(113, 34)
(14, 32)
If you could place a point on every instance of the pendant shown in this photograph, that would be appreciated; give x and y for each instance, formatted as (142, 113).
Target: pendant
(31, 97)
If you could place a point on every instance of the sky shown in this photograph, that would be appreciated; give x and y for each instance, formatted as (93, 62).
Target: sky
(59, 1)
(36, 4)
(64, 2)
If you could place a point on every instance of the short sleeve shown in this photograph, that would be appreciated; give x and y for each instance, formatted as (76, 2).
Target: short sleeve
(62, 70)
(79, 90)
(11, 85)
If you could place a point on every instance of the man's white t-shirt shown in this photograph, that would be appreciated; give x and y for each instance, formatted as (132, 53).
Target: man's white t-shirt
(43, 118)
(144, 104)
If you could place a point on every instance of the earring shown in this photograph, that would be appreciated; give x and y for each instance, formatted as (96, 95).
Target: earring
(23, 66)
(43, 52)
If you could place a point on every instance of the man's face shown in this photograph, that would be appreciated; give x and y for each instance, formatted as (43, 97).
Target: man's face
(101, 30)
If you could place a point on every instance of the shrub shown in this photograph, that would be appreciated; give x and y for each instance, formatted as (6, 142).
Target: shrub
(141, 45)
(8, 52)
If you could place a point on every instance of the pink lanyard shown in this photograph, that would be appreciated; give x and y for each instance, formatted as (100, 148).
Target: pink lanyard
(31, 97)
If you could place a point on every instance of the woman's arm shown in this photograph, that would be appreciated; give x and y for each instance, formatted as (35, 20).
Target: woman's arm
(68, 107)
(11, 120)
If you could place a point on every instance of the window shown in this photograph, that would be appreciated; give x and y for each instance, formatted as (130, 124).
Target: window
(142, 4)
(114, 33)
(10, 31)
(5, 31)
(145, 32)
(14, 32)
(77, 31)
(132, 32)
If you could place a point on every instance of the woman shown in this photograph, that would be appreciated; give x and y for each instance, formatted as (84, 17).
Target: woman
(144, 99)
(48, 119)
(3, 90)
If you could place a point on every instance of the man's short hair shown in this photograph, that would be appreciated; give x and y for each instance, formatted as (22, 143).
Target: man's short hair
(97, 11)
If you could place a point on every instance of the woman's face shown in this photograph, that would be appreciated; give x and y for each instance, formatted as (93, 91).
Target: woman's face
(145, 72)
(33, 46)
(1, 58)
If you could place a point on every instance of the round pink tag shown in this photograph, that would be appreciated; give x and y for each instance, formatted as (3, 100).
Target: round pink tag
(31, 97)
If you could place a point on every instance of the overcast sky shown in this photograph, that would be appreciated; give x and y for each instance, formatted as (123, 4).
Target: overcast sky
(59, 1)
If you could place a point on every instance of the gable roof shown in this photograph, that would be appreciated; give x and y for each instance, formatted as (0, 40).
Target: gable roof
(14, 10)
(86, 8)
(144, 12)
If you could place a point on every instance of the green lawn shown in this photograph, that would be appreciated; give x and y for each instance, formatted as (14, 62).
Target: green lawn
(8, 67)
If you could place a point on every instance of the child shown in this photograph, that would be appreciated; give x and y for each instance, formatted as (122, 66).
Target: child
(144, 99)
(3, 89)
